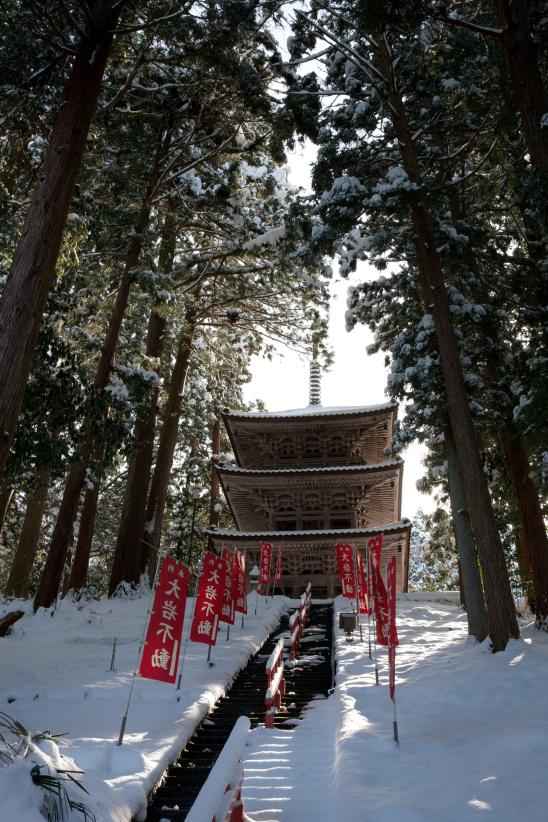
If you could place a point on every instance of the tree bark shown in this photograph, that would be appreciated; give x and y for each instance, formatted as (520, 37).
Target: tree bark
(79, 569)
(523, 66)
(127, 562)
(524, 569)
(6, 497)
(63, 530)
(33, 268)
(27, 545)
(128, 554)
(498, 595)
(168, 441)
(532, 521)
(468, 559)
(215, 496)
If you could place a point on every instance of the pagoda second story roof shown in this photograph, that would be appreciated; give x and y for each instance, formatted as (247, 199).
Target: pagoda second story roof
(313, 497)
(311, 436)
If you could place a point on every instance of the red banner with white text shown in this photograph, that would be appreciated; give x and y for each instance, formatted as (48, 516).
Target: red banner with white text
(362, 586)
(209, 600)
(278, 576)
(264, 567)
(226, 613)
(378, 590)
(160, 655)
(392, 631)
(345, 559)
(240, 597)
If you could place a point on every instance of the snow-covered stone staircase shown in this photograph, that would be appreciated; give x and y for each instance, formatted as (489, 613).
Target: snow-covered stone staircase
(310, 678)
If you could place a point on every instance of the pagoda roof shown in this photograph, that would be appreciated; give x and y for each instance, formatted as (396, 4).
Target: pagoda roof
(306, 472)
(251, 493)
(232, 535)
(310, 411)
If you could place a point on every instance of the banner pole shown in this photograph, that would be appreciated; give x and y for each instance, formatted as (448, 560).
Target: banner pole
(141, 644)
(395, 721)
(374, 627)
(368, 597)
(356, 583)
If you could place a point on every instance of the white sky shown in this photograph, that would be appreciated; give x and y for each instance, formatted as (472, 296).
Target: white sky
(354, 379)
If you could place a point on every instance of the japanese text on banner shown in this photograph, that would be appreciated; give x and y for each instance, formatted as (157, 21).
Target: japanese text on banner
(160, 655)
(240, 596)
(392, 631)
(226, 613)
(278, 575)
(345, 561)
(362, 586)
(378, 590)
(208, 602)
(264, 567)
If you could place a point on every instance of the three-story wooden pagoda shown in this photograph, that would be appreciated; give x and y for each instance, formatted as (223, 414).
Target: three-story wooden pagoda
(310, 478)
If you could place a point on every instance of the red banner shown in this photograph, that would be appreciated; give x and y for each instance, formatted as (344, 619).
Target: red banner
(226, 613)
(362, 585)
(391, 586)
(378, 590)
(240, 596)
(278, 576)
(392, 631)
(160, 656)
(264, 567)
(209, 600)
(345, 560)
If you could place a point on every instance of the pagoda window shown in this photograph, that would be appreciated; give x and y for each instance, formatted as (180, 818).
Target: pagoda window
(312, 448)
(339, 501)
(312, 502)
(286, 503)
(337, 447)
(286, 525)
(341, 522)
(312, 523)
(286, 449)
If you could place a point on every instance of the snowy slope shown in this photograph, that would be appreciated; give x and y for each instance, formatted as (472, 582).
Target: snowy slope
(473, 728)
(54, 674)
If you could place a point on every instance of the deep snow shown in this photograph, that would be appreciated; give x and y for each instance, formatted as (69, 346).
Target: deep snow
(55, 675)
(473, 726)
(473, 732)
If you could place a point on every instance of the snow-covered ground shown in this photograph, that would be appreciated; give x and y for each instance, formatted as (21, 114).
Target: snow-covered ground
(54, 675)
(473, 726)
(473, 729)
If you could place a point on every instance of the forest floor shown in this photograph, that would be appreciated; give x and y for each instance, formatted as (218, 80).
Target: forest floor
(473, 726)
(473, 731)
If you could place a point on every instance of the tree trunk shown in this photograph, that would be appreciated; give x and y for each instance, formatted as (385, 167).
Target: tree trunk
(63, 531)
(523, 66)
(79, 569)
(168, 441)
(127, 562)
(6, 497)
(532, 522)
(524, 569)
(498, 595)
(127, 557)
(27, 545)
(215, 496)
(468, 559)
(33, 269)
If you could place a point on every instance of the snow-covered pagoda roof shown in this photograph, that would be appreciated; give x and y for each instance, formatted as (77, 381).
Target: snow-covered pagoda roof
(254, 495)
(310, 411)
(336, 469)
(231, 534)
(313, 435)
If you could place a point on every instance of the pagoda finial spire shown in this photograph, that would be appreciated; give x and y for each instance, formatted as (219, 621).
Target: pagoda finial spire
(315, 397)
